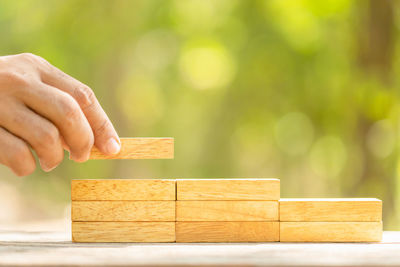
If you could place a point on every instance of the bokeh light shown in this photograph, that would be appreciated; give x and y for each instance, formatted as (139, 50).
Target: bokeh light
(303, 90)
(294, 133)
(207, 66)
(328, 156)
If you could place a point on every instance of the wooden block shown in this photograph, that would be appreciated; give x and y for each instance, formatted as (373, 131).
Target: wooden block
(127, 189)
(331, 210)
(189, 232)
(228, 189)
(123, 231)
(330, 231)
(209, 211)
(123, 211)
(140, 148)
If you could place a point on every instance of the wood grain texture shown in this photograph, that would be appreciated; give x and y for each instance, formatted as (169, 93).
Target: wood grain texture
(206, 211)
(140, 148)
(123, 211)
(331, 210)
(189, 232)
(123, 232)
(228, 189)
(330, 231)
(126, 189)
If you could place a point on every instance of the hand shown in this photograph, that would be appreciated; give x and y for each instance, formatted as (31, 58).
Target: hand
(45, 109)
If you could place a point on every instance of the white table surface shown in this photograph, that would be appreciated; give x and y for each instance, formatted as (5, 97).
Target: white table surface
(22, 248)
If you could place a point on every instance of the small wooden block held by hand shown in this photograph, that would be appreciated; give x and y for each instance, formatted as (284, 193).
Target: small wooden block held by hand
(213, 211)
(123, 189)
(123, 211)
(123, 231)
(189, 232)
(228, 189)
(140, 148)
(330, 210)
(330, 231)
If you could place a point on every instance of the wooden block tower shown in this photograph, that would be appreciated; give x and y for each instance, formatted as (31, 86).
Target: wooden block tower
(331, 220)
(126, 210)
(210, 210)
(123, 210)
(227, 210)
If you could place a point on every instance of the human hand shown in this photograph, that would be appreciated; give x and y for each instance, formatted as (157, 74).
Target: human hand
(45, 109)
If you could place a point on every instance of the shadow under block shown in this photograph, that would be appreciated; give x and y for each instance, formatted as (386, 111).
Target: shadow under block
(330, 231)
(120, 211)
(212, 211)
(140, 148)
(228, 189)
(331, 210)
(189, 232)
(126, 189)
(123, 232)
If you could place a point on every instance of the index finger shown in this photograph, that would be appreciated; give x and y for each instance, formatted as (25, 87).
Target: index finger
(105, 137)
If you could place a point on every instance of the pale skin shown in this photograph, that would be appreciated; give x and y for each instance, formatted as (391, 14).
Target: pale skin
(44, 110)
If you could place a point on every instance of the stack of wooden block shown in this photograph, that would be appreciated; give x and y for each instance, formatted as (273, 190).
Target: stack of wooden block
(215, 210)
(330, 220)
(126, 210)
(210, 210)
(192, 210)
(227, 210)
(123, 210)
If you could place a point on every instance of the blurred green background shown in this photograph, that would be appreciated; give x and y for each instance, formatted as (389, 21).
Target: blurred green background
(305, 91)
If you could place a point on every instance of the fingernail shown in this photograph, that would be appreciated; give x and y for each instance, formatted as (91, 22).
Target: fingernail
(113, 147)
(79, 159)
(47, 168)
(67, 149)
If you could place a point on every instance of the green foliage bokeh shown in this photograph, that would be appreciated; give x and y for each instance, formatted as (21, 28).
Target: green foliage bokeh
(247, 88)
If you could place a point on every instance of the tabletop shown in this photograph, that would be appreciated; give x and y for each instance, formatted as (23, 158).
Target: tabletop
(23, 248)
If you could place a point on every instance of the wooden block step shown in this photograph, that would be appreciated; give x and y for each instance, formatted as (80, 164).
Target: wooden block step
(228, 189)
(123, 232)
(123, 211)
(140, 148)
(330, 231)
(206, 211)
(331, 210)
(189, 232)
(127, 189)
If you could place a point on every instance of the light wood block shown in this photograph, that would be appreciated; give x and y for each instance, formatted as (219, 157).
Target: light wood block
(331, 210)
(228, 189)
(123, 231)
(140, 148)
(123, 211)
(189, 232)
(206, 211)
(127, 189)
(330, 231)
